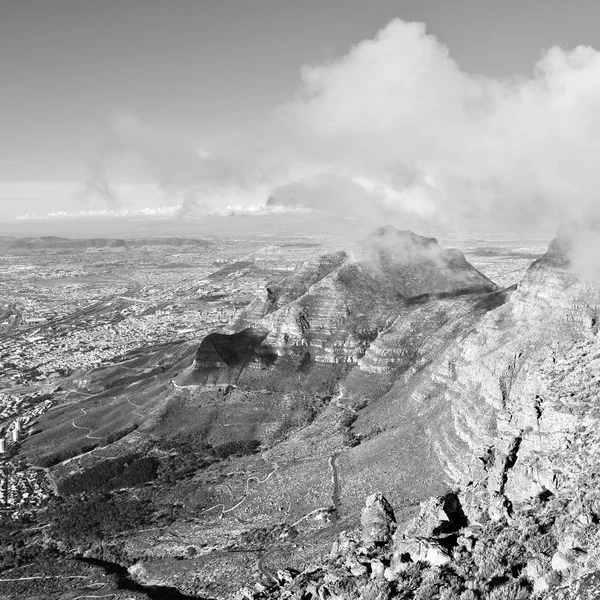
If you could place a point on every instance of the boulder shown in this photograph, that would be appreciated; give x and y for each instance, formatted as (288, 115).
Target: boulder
(561, 561)
(358, 570)
(407, 549)
(377, 568)
(344, 545)
(377, 520)
(437, 555)
(439, 515)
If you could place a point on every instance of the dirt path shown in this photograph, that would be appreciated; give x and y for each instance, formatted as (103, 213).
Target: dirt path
(246, 493)
(335, 499)
(89, 429)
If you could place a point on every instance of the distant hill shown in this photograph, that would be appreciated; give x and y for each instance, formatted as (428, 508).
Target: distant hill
(9, 244)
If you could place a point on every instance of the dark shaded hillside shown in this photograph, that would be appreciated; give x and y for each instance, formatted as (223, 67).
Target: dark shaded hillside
(221, 358)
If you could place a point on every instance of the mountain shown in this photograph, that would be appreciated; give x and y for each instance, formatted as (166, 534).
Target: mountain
(333, 307)
(391, 371)
(510, 410)
(12, 244)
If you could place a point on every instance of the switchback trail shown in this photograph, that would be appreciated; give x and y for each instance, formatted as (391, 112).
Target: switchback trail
(89, 429)
(246, 493)
(335, 498)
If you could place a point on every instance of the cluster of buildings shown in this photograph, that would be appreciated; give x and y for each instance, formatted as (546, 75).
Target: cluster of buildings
(24, 408)
(11, 431)
(22, 488)
(48, 354)
(77, 312)
(118, 322)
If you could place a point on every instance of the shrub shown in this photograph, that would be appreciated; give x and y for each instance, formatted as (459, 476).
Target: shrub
(512, 590)
(125, 471)
(93, 520)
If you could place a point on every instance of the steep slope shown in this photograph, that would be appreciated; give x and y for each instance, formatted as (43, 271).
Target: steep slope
(512, 411)
(525, 380)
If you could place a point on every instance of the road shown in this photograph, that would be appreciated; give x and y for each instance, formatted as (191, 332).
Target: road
(335, 498)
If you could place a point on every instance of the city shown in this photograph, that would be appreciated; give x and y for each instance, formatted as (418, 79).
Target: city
(68, 313)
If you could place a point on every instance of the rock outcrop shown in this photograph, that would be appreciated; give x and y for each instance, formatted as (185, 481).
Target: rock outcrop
(377, 520)
(220, 358)
(523, 388)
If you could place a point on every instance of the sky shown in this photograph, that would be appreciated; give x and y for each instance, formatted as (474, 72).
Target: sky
(140, 103)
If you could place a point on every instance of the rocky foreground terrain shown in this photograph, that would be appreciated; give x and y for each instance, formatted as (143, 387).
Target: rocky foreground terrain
(384, 422)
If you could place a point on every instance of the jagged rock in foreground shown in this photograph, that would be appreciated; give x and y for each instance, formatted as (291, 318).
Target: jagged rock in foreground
(378, 520)
(496, 560)
(468, 565)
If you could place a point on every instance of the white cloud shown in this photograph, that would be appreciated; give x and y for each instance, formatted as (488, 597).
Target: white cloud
(397, 117)
(399, 110)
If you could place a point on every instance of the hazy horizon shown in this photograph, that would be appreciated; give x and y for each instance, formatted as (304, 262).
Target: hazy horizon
(466, 116)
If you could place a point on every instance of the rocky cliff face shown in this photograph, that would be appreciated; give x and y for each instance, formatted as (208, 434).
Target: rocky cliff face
(335, 306)
(521, 422)
(221, 358)
(523, 385)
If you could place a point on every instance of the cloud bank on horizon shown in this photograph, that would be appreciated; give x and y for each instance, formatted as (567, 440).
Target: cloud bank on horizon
(400, 127)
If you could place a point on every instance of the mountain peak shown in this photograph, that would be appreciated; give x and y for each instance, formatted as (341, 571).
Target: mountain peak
(413, 265)
(576, 247)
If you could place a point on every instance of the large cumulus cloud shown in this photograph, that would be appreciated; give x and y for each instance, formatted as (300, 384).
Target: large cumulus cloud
(398, 109)
(396, 124)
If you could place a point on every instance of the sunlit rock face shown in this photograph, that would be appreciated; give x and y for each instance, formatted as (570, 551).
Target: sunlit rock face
(522, 388)
(566, 280)
(338, 304)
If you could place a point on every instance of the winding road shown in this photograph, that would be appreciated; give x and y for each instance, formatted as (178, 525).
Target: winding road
(89, 436)
(335, 499)
(246, 493)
